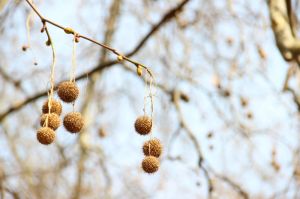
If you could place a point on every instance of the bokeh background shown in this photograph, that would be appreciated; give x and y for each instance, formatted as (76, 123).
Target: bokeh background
(226, 102)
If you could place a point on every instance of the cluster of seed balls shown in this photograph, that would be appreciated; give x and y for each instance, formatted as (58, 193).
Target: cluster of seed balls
(152, 148)
(50, 120)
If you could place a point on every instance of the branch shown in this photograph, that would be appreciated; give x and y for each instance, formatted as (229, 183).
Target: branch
(77, 35)
(170, 14)
(176, 98)
(235, 186)
(288, 44)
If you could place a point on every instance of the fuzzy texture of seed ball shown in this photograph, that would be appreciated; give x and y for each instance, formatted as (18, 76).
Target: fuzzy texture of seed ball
(55, 107)
(68, 91)
(143, 125)
(45, 135)
(153, 147)
(150, 164)
(73, 122)
(53, 120)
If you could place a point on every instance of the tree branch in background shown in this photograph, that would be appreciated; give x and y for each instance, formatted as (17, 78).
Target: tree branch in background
(288, 44)
(176, 100)
(283, 26)
(111, 21)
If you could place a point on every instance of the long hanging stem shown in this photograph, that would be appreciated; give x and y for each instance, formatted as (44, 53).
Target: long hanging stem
(69, 30)
(74, 64)
(50, 97)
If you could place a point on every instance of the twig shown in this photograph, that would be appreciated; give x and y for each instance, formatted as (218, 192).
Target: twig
(235, 186)
(69, 30)
(170, 14)
(183, 124)
(287, 43)
(205, 168)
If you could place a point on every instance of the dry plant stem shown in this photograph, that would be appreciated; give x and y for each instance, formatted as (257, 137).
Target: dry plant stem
(151, 96)
(74, 65)
(152, 104)
(71, 31)
(152, 80)
(72, 75)
(150, 83)
(28, 29)
(101, 66)
(50, 97)
(77, 36)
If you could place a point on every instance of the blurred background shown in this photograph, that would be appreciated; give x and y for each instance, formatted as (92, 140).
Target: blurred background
(226, 100)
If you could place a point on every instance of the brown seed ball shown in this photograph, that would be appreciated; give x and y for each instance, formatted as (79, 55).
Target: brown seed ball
(68, 91)
(150, 164)
(53, 120)
(152, 147)
(45, 135)
(143, 125)
(73, 122)
(55, 107)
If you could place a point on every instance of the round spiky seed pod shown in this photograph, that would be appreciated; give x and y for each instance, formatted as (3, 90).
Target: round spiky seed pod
(143, 125)
(150, 164)
(53, 120)
(45, 135)
(55, 107)
(68, 91)
(73, 122)
(152, 147)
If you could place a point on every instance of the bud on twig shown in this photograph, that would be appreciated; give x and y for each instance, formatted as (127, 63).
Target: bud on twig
(139, 70)
(120, 58)
(69, 30)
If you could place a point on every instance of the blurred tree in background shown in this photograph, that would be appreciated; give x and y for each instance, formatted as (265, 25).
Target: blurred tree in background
(226, 100)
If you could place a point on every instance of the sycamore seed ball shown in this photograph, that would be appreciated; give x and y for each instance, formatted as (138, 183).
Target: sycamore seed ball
(53, 121)
(55, 107)
(152, 147)
(68, 91)
(150, 164)
(45, 135)
(143, 125)
(73, 122)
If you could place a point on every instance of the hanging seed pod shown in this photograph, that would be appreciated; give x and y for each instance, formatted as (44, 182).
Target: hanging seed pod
(152, 147)
(150, 164)
(45, 135)
(53, 121)
(68, 91)
(143, 125)
(55, 107)
(73, 122)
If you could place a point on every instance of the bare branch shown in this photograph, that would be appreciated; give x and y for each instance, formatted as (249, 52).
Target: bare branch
(183, 124)
(287, 43)
(170, 14)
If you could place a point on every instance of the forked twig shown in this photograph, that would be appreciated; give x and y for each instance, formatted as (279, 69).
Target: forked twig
(69, 30)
